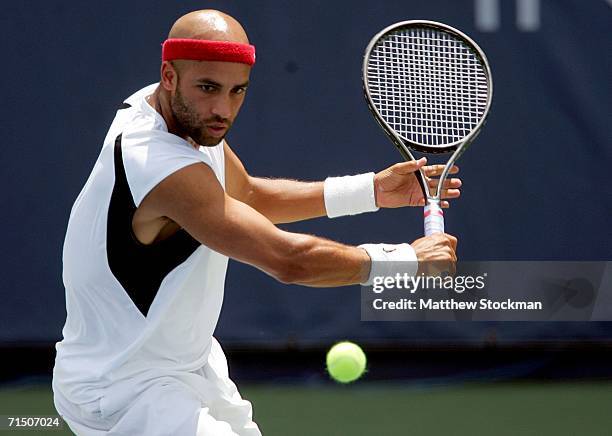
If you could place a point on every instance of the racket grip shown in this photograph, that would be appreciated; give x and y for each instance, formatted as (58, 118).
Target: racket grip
(434, 218)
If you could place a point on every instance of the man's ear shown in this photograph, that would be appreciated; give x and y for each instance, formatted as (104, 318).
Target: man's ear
(169, 76)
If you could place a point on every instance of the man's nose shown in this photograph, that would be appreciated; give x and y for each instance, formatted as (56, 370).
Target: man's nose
(222, 107)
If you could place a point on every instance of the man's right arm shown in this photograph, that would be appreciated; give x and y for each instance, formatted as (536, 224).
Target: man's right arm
(193, 198)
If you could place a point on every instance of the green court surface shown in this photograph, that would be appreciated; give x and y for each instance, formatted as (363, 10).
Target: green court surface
(386, 409)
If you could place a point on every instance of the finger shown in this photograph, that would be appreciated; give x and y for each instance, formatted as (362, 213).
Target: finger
(445, 204)
(436, 170)
(452, 240)
(409, 167)
(452, 183)
(451, 193)
(433, 170)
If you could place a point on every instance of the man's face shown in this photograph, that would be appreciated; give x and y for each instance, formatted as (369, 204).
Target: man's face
(207, 99)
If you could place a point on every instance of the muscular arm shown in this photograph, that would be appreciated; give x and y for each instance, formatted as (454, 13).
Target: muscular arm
(279, 200)
(193, 198)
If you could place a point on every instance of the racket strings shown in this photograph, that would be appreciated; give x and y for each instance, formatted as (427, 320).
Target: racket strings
(428, 85)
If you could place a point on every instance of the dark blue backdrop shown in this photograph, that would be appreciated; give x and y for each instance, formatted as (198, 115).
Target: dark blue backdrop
(536, 182)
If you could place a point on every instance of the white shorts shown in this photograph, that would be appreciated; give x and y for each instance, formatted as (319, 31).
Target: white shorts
(201, 403)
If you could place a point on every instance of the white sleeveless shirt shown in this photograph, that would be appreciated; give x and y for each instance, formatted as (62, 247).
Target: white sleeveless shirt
(134, 311)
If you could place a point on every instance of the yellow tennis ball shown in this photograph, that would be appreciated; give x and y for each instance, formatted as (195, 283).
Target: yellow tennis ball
(346, 362)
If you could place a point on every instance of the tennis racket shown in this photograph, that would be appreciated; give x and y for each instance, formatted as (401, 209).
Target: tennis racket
(429, 87)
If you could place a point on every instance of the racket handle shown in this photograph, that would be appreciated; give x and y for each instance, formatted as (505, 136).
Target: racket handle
(434, 217)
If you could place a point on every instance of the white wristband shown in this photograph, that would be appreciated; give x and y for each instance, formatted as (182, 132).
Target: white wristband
(388, 260)
(349, 195)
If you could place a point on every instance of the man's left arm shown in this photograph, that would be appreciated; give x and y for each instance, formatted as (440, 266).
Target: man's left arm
(285, 201)
(279, 200)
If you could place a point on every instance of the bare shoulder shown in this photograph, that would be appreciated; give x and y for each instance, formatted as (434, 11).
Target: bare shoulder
(179, 193)
(191, 187)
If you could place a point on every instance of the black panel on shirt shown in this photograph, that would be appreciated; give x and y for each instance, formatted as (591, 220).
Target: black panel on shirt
(139, 268)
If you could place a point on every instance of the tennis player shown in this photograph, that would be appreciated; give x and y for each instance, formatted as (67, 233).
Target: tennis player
(149, 237)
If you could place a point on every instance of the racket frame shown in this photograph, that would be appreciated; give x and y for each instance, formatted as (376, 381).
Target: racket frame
(405, 145)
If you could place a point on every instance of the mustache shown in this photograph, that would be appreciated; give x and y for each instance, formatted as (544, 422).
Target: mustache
(218, 119)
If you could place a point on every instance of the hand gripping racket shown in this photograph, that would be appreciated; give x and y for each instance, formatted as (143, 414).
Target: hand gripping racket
(429, 87)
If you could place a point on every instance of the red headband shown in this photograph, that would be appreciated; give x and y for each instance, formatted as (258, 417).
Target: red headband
(204, 50)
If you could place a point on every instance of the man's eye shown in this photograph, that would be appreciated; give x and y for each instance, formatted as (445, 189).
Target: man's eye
(240, 90)
(208, 88)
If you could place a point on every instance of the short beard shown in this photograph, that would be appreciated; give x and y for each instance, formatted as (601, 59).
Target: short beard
(188, 123)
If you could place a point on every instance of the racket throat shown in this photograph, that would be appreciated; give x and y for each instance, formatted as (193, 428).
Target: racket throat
(433, 217)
